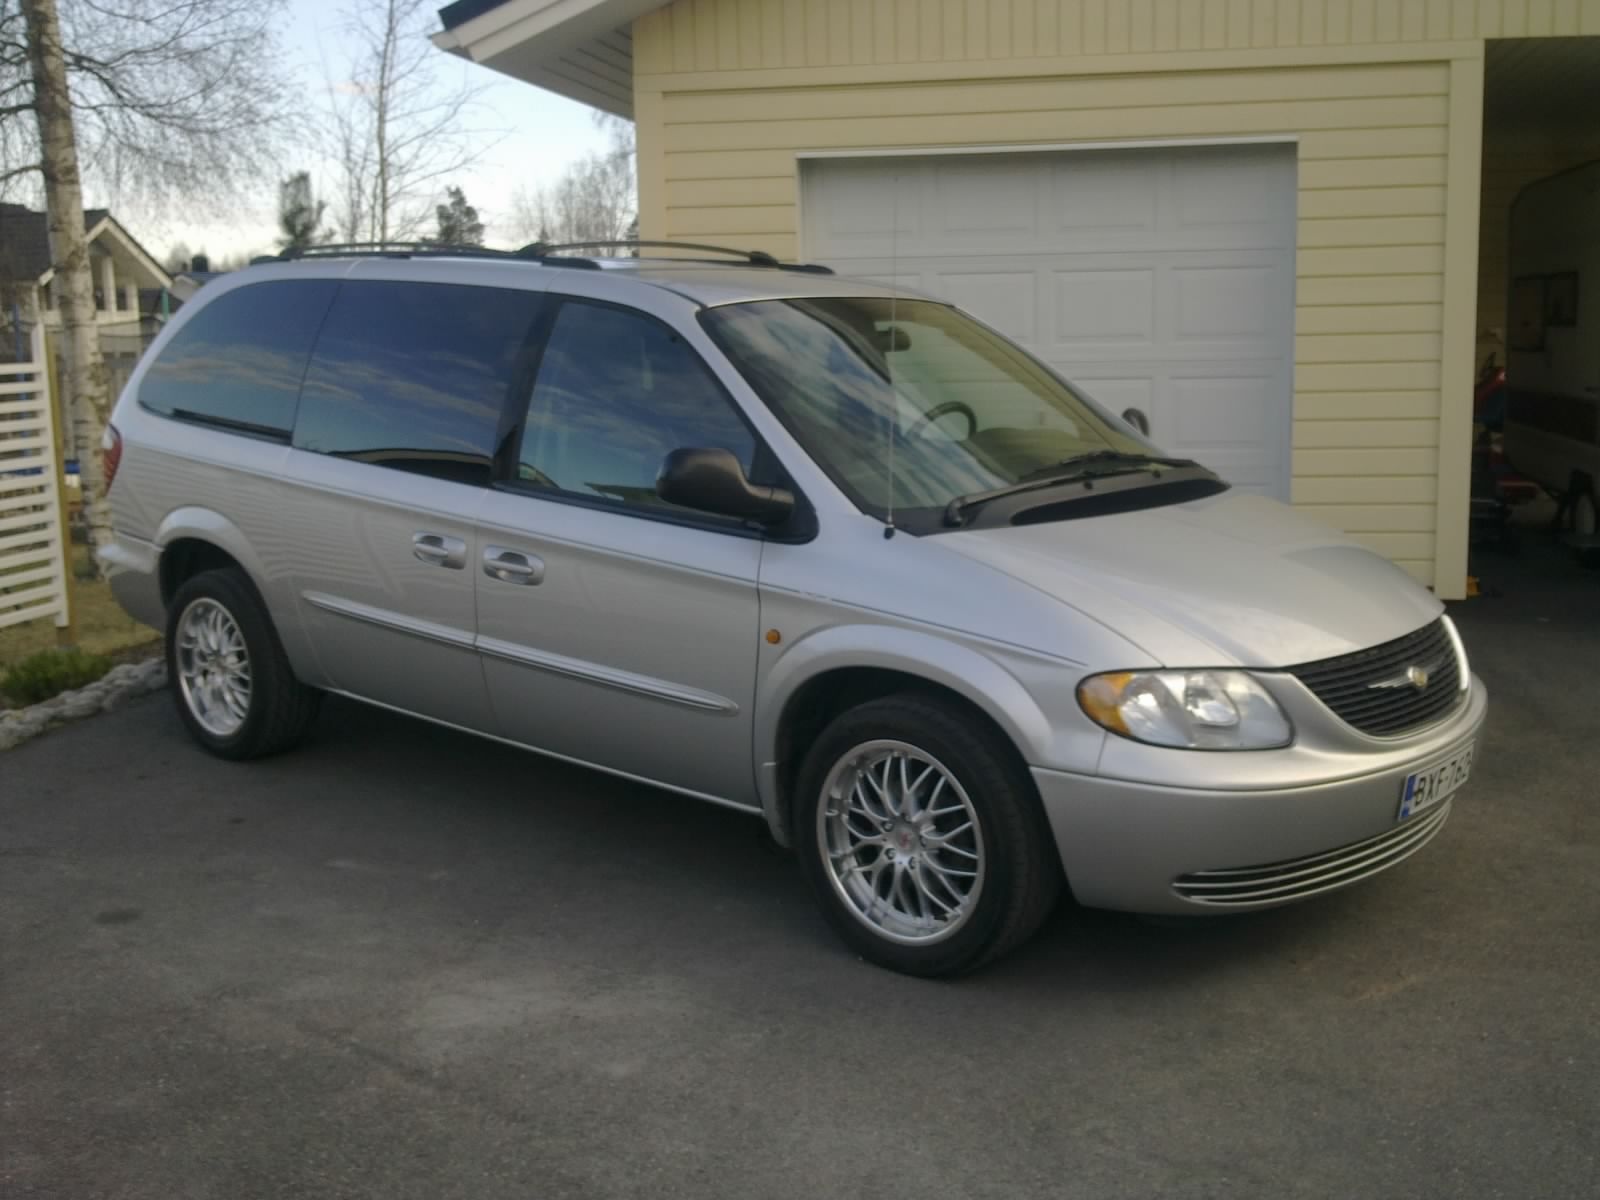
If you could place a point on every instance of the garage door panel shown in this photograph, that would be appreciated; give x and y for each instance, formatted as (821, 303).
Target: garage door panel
(997, 203)
(1225, 302)
(1156, 279)
(861, 211)
(1105, 306)
(1006, 299)
(1123, 195)
(906, 280)
(1213, 190)
(1222, 412)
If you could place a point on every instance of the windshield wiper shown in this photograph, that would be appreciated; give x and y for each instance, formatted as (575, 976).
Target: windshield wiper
(1094, 464)
(1113, 458)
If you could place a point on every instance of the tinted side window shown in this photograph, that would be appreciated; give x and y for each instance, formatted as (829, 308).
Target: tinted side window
(239, 361)
(414, 376)
(616, 393)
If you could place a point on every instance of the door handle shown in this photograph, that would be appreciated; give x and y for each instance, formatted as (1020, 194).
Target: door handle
(441, 551)
(512, 566)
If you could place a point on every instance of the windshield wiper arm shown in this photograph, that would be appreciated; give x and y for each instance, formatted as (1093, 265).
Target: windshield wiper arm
(1120, 458)
(1080, 468)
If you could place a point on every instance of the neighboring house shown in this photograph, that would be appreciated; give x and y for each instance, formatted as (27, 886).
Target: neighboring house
(127, 280)
(194, 276)
(1276, 227)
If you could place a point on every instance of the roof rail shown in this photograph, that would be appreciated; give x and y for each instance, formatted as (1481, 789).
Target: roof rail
(548, 251)
(414, 250)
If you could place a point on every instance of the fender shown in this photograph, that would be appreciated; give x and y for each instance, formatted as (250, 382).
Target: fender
(940, 660)
(208, 525)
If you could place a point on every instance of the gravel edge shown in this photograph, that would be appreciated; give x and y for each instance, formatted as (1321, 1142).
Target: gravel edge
(111, 691)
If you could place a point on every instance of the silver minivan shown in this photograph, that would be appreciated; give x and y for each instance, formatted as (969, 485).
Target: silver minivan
(803, 546)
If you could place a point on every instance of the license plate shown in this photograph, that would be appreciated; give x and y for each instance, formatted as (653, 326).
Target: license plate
(1423, 789)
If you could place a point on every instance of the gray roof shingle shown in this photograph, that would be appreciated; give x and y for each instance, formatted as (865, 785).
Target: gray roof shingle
(25, 240)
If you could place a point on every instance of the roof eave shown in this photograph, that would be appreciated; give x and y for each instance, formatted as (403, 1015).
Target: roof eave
(112, 228)
(581, 49)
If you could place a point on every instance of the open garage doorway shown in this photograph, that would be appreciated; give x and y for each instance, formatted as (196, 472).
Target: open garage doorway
(1536, 408)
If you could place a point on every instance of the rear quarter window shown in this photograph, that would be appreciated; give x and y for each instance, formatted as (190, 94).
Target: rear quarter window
(238, 362)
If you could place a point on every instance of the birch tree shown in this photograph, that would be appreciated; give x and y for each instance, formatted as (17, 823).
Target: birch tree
(400, 125)
(160, 102)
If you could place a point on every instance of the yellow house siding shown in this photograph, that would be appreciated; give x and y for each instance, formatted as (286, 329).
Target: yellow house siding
(721, 35)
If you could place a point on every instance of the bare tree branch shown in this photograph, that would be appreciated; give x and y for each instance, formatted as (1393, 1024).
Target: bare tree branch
(398, 128)
(597, 199)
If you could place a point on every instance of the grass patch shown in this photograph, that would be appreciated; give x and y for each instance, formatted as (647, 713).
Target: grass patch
(49, 673)
(103, 628)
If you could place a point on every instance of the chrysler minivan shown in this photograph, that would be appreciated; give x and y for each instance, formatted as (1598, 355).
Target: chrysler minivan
(811, 548)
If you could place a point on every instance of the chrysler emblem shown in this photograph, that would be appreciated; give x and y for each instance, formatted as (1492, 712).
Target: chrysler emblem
(1412, 676)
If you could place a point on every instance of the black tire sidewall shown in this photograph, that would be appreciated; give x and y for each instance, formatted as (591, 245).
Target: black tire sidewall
(1000, 799)
(234, 592)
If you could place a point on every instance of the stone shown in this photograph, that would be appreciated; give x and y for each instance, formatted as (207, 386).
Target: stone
(111, 691)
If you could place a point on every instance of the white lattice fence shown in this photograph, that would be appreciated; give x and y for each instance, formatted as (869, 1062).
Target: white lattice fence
(33, 581)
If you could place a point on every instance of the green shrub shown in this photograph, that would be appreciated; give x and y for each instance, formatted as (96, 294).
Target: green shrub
(49, 673)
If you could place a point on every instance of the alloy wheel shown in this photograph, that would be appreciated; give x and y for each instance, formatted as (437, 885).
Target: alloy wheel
(213, 667)
(901, 842)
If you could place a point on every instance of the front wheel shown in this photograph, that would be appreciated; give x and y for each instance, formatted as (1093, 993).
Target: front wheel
(232, 682)
(922, 837)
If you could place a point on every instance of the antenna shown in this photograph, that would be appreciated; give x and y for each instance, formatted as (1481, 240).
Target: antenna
(888, 362)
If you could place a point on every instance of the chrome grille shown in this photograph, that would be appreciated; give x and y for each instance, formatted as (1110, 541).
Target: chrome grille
(1299, 877)
(1353, 685)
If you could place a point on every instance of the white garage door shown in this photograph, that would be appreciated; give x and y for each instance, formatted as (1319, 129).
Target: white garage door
(1157, 279)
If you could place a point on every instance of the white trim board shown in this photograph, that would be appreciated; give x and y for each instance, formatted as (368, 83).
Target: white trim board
(1271, 139)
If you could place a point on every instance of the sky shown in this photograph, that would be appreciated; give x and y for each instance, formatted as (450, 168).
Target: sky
(535, 136)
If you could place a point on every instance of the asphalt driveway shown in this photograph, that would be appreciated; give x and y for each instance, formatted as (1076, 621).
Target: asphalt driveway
(407, 963)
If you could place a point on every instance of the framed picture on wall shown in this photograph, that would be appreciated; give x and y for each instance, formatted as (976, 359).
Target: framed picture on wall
(1561, 299)
(1525, 320)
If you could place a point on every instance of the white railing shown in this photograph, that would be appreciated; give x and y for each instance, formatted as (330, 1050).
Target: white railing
(33, 563)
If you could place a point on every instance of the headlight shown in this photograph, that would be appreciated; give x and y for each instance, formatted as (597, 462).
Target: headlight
(1197, 710)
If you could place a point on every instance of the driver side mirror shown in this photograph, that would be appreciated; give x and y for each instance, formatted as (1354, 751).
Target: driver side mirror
(1137, 419)
(711, 480)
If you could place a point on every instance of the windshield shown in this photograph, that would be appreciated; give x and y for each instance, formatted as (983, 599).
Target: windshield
(965, 410)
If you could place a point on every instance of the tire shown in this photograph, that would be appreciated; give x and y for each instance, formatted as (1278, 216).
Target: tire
(216, 624)
(959, 897)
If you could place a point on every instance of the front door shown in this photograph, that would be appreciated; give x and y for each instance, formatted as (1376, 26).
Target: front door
(616, 629)
(398, 422)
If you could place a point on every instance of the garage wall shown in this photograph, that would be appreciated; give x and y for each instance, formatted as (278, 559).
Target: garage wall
(1384, 100)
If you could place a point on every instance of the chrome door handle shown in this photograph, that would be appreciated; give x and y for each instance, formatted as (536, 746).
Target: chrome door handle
(512, 566)
(441, 551)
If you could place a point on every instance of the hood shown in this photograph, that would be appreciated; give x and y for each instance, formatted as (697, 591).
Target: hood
(1234, 580)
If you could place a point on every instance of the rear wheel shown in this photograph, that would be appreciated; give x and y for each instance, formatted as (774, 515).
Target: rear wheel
(922, 838)
(231, 680)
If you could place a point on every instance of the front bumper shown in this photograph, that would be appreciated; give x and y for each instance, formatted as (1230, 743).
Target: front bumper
(1125, 844)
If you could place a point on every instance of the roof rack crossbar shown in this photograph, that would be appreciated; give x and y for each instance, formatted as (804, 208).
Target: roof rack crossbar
(548, 252)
